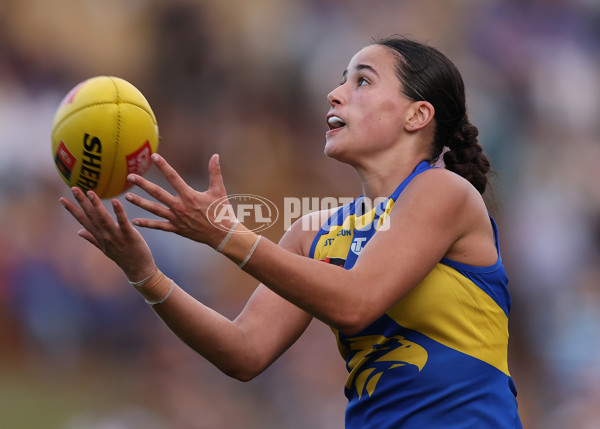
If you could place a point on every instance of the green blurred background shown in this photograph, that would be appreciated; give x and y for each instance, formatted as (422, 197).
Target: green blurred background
(248, 79)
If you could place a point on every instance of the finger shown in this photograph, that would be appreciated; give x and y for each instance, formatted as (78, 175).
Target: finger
(88, 209)
(170, 174)
(103, 218)
(162, 225)
(81, 218)
(76, 212)
(122, 218)
(81, 199)
(152, 189)
(215, 177)
(150, 206)
(84, 233)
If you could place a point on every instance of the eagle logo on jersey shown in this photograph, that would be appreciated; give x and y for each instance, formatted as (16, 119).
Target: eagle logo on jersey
(376, 354)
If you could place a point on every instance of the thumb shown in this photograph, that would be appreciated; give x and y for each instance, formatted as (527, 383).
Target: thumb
(215, 178)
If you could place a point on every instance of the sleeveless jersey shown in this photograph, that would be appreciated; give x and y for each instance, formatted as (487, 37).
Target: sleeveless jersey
(438, 357)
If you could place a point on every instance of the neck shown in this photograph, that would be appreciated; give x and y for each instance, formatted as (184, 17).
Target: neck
(380, 182)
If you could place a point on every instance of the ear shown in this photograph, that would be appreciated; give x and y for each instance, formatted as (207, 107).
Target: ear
(419, 115)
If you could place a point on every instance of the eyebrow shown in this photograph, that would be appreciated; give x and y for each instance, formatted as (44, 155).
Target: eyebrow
(361, 67)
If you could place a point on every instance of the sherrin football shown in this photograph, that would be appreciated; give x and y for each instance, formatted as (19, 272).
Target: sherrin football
(103, 130)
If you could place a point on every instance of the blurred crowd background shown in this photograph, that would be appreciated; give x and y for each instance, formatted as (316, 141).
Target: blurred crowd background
(79, 349)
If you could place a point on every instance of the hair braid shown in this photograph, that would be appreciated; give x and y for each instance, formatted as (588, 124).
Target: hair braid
(465, 155)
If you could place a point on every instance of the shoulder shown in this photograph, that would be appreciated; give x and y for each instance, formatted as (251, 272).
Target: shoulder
(449, 206)
(444, 180)
(444, 187)
(299, 237)
(443, 197)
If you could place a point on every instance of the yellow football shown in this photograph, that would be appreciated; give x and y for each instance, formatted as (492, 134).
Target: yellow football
(103, 130)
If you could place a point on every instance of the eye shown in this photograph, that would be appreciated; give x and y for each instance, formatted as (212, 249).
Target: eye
(362, 81)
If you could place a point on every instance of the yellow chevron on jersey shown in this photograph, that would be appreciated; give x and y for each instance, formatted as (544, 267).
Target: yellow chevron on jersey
(460, 315)
(336, 243)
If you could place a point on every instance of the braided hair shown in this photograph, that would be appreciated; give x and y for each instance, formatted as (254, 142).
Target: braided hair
(428, 75)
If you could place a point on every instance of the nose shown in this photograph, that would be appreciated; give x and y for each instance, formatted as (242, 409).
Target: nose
(335, 96)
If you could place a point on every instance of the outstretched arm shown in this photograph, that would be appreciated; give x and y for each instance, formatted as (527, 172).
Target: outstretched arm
(241, 348)
(244, 347)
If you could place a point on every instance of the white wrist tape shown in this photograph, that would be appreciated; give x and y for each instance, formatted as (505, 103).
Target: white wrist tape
(140, 282)
(228, 236)
(247, 258)
(164, 298)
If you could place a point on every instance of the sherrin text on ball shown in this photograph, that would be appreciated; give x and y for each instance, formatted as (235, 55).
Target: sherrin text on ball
(103, 130)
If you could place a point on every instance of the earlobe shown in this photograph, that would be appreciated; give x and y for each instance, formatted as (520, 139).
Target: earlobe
(420, 115)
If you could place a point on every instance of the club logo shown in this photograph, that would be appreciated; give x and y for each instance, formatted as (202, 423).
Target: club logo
(376, 355)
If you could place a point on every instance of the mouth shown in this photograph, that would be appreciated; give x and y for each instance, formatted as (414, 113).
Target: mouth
(335, 122)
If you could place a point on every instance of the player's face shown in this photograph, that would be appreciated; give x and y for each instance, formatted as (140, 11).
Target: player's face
(368, 108)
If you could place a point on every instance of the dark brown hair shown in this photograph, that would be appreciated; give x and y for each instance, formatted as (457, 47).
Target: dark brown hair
(428, 75)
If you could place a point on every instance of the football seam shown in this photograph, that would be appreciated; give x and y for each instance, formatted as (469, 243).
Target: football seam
(100, 103)
(117, 140)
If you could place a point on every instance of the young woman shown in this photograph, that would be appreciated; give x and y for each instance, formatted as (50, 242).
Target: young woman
(420, 307)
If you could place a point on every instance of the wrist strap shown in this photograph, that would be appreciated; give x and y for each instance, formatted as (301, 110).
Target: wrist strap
(140, 282)
(247, 258)
(157, 289)
(228, 236)
(164, 298)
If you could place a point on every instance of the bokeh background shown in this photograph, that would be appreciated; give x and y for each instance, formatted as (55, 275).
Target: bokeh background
(248, 79)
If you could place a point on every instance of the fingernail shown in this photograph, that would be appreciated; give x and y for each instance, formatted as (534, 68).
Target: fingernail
(131, 178)
(128, 197)
(155, 157)
(136, 222)
(115, 203)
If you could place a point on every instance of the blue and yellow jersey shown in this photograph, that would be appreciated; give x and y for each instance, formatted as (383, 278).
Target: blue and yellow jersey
(438, 357)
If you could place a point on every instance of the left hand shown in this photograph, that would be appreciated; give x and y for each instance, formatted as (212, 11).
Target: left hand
(119, 240)
(185, 213)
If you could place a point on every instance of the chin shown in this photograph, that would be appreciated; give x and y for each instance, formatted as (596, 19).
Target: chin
(338, 154)
(331, 151)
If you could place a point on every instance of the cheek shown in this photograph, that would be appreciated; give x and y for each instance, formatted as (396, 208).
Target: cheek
(384, 121)
(386, 109)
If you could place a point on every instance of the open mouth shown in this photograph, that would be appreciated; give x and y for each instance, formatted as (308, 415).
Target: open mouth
(335, 122)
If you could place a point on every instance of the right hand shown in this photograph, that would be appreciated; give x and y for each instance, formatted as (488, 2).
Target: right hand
(187, 212)
(119, 241)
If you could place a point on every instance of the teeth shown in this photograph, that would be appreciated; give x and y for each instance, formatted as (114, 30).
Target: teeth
(335, 121)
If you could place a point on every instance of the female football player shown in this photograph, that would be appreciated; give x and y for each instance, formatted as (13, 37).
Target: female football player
(414, 287)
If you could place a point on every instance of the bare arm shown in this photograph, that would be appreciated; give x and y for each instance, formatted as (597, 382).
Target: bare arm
(241, 348)
(244, 347)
